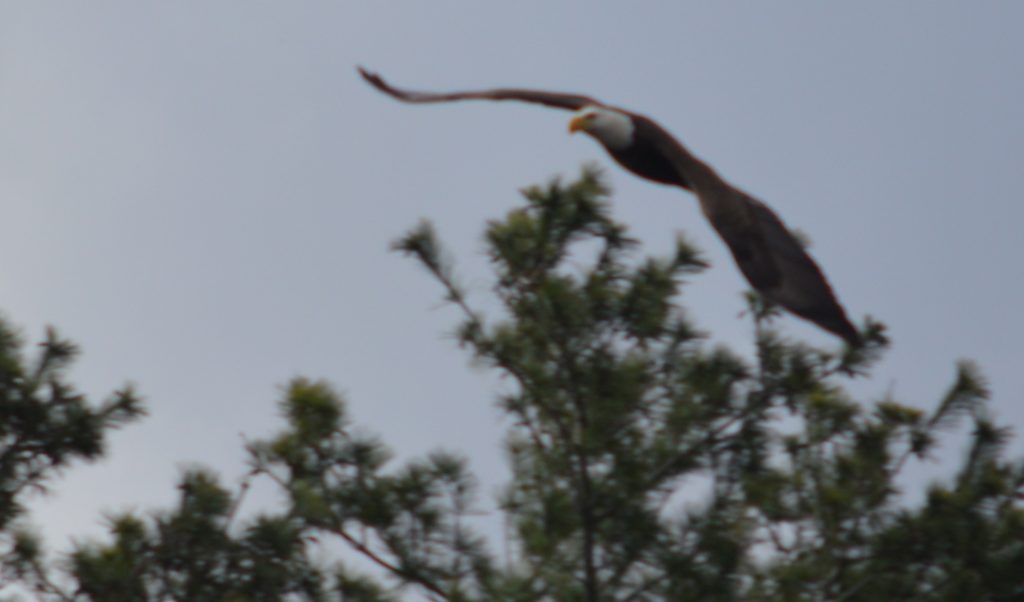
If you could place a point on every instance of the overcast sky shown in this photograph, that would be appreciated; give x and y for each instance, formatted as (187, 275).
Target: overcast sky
(202, 196)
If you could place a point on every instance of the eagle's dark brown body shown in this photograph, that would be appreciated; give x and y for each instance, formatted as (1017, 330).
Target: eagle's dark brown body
(645, 160)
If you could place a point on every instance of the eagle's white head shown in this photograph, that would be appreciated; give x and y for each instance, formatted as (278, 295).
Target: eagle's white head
(612, 128)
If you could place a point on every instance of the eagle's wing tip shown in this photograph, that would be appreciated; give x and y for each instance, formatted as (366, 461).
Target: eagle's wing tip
(369, 76)
(378, 82)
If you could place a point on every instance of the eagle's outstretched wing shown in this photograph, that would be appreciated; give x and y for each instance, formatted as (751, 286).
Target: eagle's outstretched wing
(778, 266)
(770, 257)
(571, 102)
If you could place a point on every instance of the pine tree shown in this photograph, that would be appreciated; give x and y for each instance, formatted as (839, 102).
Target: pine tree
(647, 464)
(45, 425)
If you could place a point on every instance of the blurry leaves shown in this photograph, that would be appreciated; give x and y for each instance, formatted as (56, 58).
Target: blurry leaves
(618, 409)
(966, 396)
(45, 425)
(646, 464)
(190, 553)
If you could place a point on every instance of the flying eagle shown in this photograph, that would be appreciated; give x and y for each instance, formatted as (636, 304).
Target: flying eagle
(770, 257)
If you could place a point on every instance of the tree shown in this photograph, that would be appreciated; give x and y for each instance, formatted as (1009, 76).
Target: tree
(45, 425)
(646, 465)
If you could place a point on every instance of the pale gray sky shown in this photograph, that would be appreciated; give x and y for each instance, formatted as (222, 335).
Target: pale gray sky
(202, 195)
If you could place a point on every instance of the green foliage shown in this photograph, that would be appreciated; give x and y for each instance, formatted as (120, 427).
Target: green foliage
(647, 463)
(408, 520)
(623, 418)
(45, 425)
(192, 553)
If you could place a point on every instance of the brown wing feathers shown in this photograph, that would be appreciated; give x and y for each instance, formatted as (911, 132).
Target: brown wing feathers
(779, 267)
(571, 102)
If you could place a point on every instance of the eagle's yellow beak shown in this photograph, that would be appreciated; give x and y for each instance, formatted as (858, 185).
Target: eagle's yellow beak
(578, 123)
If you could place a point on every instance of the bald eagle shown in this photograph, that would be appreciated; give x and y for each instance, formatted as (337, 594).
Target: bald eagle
(767, 253)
